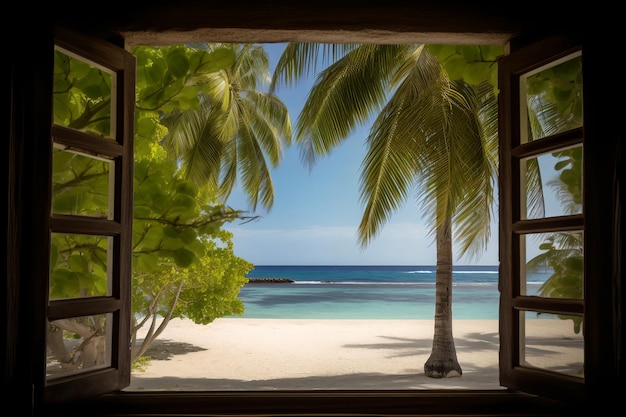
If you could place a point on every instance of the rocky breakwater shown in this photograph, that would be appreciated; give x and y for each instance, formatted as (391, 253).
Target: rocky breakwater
(269, 281)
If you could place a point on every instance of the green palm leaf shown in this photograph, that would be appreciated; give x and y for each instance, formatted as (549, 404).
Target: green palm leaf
(344, 96)
(237, 133)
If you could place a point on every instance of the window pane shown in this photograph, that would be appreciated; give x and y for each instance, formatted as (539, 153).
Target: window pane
(552, 183)
(82, 95)
(552, 342)
(79, 266)
(554, 265)
(81, 185)
(552, 98)
(79, 344)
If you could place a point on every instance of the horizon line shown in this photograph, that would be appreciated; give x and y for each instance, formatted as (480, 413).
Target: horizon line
(411, 265)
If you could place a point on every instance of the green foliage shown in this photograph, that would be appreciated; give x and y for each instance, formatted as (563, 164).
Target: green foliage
(473, 64)
(208, 287)
(141, 364)
(183, 262)
(81, 95)
(562, 253)
(236, 133)
(219, 293)
(564, 257)
(569, 184)
(559, 88)
(78, 266)
(171, 77)
(81, 190)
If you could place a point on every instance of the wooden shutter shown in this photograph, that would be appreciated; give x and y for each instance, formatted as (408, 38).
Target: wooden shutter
(543, 351)
(87, 330)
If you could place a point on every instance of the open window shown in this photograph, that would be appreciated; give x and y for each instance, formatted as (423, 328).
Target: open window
(87, 318)
(541, 156)
(106, 228)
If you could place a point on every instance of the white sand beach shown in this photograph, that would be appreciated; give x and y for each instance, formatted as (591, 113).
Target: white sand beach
(235, 354)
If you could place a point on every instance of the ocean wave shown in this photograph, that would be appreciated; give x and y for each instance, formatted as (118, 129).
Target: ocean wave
(396, 283)
(474, 284)
(363, 283)
(453, 272)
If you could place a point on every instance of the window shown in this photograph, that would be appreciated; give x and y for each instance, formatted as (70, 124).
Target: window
(597, 224)
(542, 153)
(90, 220)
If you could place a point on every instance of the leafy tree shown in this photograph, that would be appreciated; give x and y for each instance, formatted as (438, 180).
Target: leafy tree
(183, 262)
(432, 134)
(472, 64)
(182, 258)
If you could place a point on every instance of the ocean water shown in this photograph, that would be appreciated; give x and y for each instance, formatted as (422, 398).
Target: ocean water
(371, 292)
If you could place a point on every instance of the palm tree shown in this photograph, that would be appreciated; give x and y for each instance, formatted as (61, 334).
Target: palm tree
(431, 135)
(238, 131)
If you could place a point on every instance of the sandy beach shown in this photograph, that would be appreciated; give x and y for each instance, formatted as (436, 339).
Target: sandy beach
(235, 354)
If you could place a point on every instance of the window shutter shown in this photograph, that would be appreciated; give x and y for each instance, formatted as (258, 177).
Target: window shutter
(543, 239)
(87, 329)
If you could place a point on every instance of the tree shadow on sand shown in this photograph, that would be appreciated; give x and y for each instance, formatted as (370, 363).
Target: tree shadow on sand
(474, 342)
(356, 381)
(474, 377)
(163, 350)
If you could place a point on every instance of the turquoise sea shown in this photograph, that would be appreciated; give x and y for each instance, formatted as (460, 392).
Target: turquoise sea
(370, 292)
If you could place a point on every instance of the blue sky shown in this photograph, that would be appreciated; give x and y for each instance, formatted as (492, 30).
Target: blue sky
(316, 213)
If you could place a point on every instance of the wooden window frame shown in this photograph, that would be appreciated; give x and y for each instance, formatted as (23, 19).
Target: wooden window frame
(513, 226)
(27, 306)
(119, 150)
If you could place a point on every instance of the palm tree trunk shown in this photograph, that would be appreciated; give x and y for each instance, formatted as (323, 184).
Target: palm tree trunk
(442, 362)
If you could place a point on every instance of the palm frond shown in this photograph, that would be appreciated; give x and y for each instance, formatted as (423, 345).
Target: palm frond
(216, 88)
(388, 172)
(557, 247)
(399, 143)
(344, 95)
(535, 201)
(201, 163)
(184, 128)
(455, 159)
(190, 141)
(254, 172)
(228, 170)
(269, 119)
(300, 60)
(251, 69)
(477, 171)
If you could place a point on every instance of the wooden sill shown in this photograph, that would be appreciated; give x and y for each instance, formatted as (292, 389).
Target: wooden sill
(308, 403)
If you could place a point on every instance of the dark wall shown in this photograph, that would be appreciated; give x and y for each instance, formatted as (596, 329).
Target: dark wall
(320, 21)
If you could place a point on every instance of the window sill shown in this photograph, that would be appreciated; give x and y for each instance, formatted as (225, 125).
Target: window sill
(294, 403)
